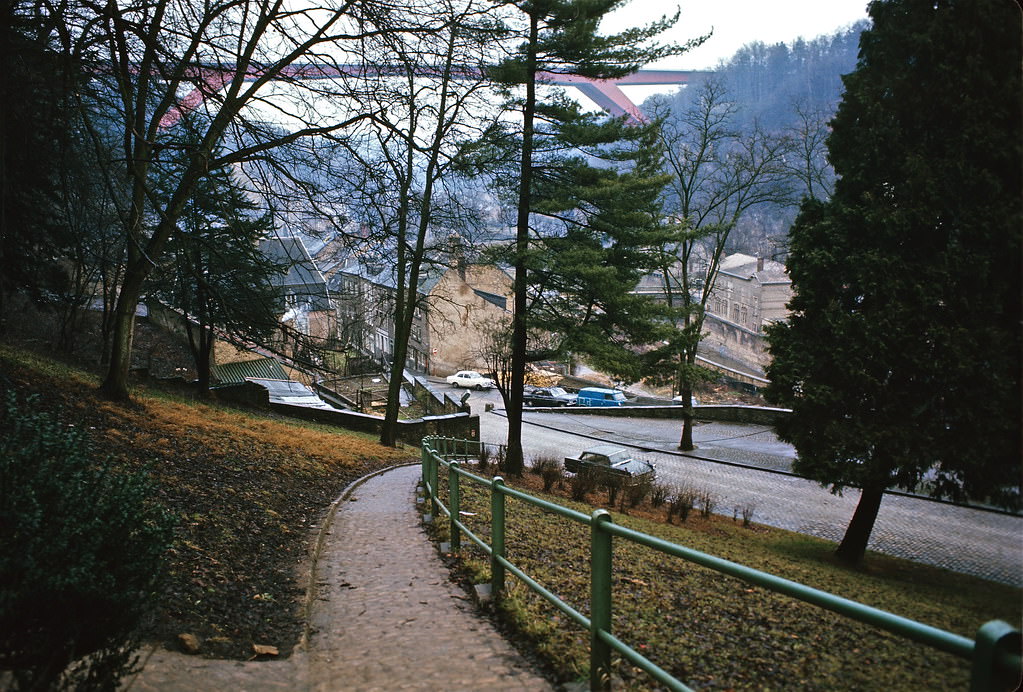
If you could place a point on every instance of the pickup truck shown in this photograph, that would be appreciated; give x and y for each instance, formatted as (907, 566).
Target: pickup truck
(469, 379)
(611, 459)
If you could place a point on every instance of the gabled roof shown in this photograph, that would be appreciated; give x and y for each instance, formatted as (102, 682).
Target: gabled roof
(746, 267)
(301, 276)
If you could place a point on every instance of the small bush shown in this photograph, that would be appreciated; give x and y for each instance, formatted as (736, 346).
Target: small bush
(635, 493)
(708, 501)
(548, 468)
(612, 483)
(82, 556)
(747, 513)
(681, 501)
(484, 458)
(500, 456)
(582, 484)
(658, 494)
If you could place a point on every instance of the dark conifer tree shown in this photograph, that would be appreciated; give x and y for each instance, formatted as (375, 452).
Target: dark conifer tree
(901, 358)
(215, 272)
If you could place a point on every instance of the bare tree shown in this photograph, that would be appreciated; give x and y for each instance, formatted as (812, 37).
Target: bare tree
(259, 70)
(717, 175)
(432, 97)
(807, 158)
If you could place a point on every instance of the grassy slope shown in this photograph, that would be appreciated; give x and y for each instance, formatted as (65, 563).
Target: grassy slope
(717, 632)
(247, 490)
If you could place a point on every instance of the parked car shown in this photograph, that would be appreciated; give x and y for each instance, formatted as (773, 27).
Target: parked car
(470, 379)
(599, 396)
(547, 396)
(611, 459)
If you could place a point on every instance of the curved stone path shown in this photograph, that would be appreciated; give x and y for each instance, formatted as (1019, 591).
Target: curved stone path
(385, 616)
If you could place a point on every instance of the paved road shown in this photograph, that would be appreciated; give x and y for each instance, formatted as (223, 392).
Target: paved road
(965, 540)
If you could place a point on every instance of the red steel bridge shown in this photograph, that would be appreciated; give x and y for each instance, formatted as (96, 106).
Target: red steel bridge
(606, 93)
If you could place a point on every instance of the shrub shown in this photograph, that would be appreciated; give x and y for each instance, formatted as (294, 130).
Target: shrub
(500, 456)
(548, 468)
(681, 501)
(747, 513)
(484, 458)
(582, 484)
(636, 493)
(612, 483)
(708, 501)
(658, 494)
(82, 556)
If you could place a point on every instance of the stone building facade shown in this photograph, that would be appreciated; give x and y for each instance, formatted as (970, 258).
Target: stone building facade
(749, 294)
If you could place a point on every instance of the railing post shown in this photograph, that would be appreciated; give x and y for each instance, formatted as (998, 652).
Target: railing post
(600, 600)
(496, 536)
(423, 456)
(994, 638)
(434, 490)
(453, 503)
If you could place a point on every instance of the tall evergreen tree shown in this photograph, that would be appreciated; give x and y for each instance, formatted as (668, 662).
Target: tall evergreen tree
(556, 36)
(901, 358)
(35, 123)
(215, 272)
(598, 232)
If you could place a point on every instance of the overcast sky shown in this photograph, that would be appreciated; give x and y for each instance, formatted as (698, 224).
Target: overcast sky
(738, 22)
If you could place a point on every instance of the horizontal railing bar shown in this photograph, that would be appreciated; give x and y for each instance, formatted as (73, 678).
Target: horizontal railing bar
(640, 661)
(550, 596)
(473, 537)
(917, 631)
(566, 512)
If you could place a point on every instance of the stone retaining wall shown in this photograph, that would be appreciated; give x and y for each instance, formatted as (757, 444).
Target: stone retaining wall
(758, 415)
(456, 424)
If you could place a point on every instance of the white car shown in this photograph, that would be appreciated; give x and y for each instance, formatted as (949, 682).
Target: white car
(470, 379)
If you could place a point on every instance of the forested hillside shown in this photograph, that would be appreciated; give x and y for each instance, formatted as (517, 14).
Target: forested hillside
(781, 90)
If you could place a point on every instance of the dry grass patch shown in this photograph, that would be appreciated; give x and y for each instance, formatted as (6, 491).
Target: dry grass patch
(248, 493)
(717, 632)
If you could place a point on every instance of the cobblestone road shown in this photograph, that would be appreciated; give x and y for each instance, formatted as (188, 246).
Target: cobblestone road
(971, 541)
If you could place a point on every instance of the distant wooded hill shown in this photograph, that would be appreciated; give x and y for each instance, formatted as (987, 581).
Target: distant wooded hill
(770, 85)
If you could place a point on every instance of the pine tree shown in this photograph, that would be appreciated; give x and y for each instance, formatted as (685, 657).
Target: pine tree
(900, 360)
(556, 36)
(602, 234)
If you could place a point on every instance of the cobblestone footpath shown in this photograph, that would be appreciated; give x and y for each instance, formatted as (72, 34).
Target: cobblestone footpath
(385, 616)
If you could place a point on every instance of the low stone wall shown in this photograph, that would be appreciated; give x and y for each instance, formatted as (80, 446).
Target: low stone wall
(759, 415)
(411, 432)
(458, 424)
(436, 403)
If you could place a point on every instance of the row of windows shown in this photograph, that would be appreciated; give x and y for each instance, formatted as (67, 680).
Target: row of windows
(736, 312)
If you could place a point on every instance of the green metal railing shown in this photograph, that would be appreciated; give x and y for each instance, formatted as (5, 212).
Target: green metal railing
(994, 653)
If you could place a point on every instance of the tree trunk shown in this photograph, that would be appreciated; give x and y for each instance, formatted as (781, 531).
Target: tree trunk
(685, 442)
(854, 543)
(514, 462)
(115, 386)
(205, 358)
